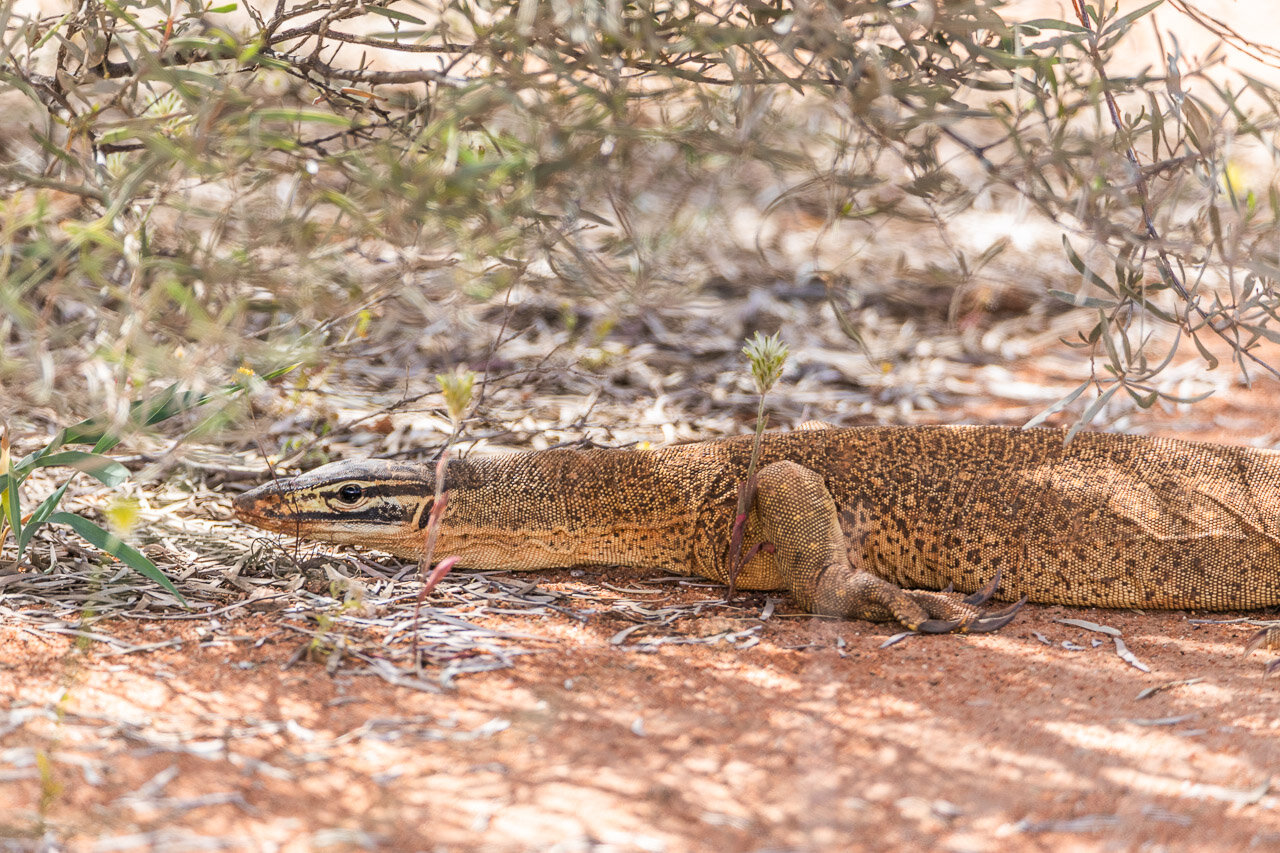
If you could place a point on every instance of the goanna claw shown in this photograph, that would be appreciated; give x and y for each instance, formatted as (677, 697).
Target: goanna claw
(937, 626)
(996, 621)
(982, 595)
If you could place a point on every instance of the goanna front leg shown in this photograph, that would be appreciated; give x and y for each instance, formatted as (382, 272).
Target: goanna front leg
(798, 516)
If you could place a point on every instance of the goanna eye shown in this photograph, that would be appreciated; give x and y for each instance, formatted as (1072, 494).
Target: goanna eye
(350, 493)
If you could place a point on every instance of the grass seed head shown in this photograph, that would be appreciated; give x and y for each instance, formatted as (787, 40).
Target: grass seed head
(766, 355)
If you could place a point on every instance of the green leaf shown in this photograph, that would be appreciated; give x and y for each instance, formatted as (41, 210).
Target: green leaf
(104, 470)
(1262, 331)
(1113, 355)
(1209, 358)
(292, 115)
(395, 15)
(1052, 24)
(272, 374)
(39, 517)
(846, 325)
(9, 502)
(1192, 400)
(1143, 401)
(1157, 125)
(148, 411)
(1006, 60)
(28, 462)
(1199, 128)
(125, 553)
(202, 81)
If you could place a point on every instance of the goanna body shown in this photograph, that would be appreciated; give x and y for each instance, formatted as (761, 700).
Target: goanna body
(1108, 520)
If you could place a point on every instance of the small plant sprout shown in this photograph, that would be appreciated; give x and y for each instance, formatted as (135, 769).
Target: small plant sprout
(456, 388)
(766, 357)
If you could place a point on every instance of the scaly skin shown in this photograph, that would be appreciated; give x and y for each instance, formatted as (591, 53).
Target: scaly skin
(864, 523)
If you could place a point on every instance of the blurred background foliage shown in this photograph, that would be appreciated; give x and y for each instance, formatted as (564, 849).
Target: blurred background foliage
(191, 188)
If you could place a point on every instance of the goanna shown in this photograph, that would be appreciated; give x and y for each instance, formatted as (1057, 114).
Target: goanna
(917, 525)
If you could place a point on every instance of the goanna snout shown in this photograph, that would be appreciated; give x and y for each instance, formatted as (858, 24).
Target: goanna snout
(262, 506)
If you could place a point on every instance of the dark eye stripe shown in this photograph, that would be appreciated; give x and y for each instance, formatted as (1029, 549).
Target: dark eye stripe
(375, 514)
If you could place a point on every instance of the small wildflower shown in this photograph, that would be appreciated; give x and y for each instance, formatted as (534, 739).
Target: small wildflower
(122, 514)
(1232, 178)
(363, 321)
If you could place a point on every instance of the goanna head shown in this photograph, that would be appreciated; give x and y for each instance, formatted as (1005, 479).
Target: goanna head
(374, 502)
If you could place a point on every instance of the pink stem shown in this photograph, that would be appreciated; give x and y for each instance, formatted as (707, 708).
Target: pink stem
(438, 573)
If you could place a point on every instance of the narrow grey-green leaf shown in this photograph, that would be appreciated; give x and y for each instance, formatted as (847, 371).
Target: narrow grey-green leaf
(291, 114)
(1091, 412)
(122, 551)
(106, 471)
(1082, 301)
(1080, 267)
(1125, 21)
(1209, 358)
(1058, 406)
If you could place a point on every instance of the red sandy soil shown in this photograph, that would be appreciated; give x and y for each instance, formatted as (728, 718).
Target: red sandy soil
(995, 742)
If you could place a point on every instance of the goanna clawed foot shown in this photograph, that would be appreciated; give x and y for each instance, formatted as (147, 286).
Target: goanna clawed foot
(949, 612)
(977, 622)
(862, 595)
